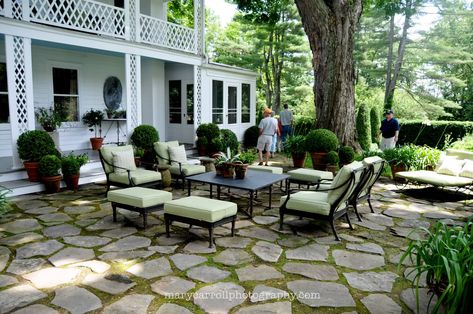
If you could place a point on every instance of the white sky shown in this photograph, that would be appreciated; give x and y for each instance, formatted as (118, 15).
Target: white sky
(224, 10)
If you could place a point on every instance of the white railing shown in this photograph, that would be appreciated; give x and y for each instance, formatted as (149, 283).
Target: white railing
(161, 33)
(84, 15)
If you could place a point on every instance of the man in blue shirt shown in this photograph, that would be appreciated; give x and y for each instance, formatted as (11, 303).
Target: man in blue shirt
(389, 131)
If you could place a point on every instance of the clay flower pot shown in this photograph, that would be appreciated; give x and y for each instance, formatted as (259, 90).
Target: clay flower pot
(96, 142)
(32, 169)
(240, 171)
(298, 159)
(52, 184)
(72, 182)
(318, 161)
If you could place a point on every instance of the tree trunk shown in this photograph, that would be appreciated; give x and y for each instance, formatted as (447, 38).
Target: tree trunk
(330, 27)
(389, 65)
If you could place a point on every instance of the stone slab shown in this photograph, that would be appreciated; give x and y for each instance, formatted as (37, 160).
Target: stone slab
(319, 294)
(257, 273)
(319, 272)
(64, 230)
(207, 273)
(52, 277)
(312, 252)
(358, 261)
(233, 257)
(21, 226)
(103, 283)
(19, 296)
(127, 244)
(151, 269)
(24, 266)
(262, 293)
(87, 241)
(220, 297)
(270, 308)
(372, 281)
(76, 300)
(71, 255)
(381, 304)
(171, 285)
(233, 242)
(185, 261)
(134, 303)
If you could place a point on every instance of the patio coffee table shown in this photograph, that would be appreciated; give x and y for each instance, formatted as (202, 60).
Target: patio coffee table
(253, 182)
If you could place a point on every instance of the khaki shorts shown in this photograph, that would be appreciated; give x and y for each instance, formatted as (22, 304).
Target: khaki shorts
(264, 142)
(387, 143)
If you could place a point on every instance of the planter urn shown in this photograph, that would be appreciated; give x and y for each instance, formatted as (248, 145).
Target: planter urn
(298, 160)
(240, 171)
(318, 160)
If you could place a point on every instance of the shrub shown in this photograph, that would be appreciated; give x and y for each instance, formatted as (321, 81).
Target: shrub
(332, 158)
(208, 130)
(412, 156)
(250, 137)
(229, 139)
(375, 120)
(49, 166)
(144, 136)
(201, 141)
(71, 164)
(321, 140)
(433, 133)
(215, 145)
(466, 143)
(363, 127)
(294, 144)
(248, 157)
(32, 145)
(303, 125)
(346, 154)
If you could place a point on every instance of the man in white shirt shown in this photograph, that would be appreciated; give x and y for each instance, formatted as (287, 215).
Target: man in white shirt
(267, 128)
(286, 121)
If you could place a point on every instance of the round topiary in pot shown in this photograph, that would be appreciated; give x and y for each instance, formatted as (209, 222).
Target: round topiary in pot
(70, 168)
(49, 167)
(346, 154)
(332, 160)
(144, 136)
(319, 142)
(229, 139)
(32, 146)
(202, 143)
(208, 130)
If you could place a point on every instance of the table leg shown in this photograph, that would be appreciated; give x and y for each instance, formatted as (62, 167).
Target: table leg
(252, 193)
(211, 190)
(218, 191)
(270, 196)
(188, 188)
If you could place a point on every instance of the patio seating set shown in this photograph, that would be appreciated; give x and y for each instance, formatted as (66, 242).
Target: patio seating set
(324, 197)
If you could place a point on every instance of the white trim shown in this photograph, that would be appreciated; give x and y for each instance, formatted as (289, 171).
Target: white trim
(73, 38)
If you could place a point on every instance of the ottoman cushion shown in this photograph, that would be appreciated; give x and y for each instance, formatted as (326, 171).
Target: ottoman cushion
(187, 169)
(275, 170)
(309, 175)
(138, 176)
(139, 197)
(200, 208)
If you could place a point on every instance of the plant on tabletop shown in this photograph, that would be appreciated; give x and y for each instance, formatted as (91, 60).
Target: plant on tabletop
(49, 169)
(225, 163)
(70, 168)
(294, 147)
(93, 119)
(246, 158)
(318, 143)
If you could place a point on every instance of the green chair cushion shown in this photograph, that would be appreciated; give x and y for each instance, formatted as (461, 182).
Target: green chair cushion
(106, 152)
(308, 201)
(275, 170)
(162, 149)
(433, 178)
(187, 170)
(377, 164)
(460, 154)
(201, 208)
(339, 187)
(139, 197)
(138, 176)
(309, 175)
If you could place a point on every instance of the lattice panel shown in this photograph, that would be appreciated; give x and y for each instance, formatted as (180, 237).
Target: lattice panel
(133, 19)
(17, 9)
(83, 15)
(161, 33)
(133, 81)
(198, 93)
(21, 92)
(199, 11)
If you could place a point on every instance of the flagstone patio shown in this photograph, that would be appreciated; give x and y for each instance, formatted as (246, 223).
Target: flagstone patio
(62, 252)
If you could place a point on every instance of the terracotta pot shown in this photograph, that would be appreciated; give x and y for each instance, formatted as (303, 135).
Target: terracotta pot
(72, 181)
(318, 161)
(32, 169)
(52, 184)
(240, 171)
(229, 171)
(96, 142)
(202, 150)
(298, 159)
(219, 170)
(137, 161)
(397, 168)
(332, 168)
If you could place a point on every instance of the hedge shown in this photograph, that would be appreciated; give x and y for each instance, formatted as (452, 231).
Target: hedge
(433, 133)
(363, 127)
(375, 117)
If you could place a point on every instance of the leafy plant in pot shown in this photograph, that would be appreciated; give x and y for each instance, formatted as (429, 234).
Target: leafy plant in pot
(332, 161)
(93, 119)
(225, 164)
(49, 167)
(400, 159)
(138, 153)
(48, 118)
(246, 158)
(110, 112)
(70, 168)
(144, 137)
(346, 155)
(295, 147)
(318, 143)
(32, 146)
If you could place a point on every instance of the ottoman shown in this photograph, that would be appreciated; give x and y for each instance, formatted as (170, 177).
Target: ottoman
(276, 170)
(308, 176)
(138, 199)
(200, 211)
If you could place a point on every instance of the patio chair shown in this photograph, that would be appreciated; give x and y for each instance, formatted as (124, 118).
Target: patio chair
(326, 204)
(374, 167)
(119, 166)
(174, 155)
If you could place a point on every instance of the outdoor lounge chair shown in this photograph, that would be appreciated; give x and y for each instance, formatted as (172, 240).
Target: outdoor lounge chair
(326, 204)
(119, 166)
(179, 167)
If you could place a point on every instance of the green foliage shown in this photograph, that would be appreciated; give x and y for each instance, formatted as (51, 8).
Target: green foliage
(363, 127)
(229, 139)
(215, 145)
(375, 119)
(144, 136)
(332, 158)
(412, 156)
(250, 137)
(48, 118)
(49, 166)
(294, 144)
(201, 141)
(346, 154)
(32, 145)
(248, 157)
(303, 125)
(93, 119)
(71, 164)
(445, 256)
(208, 130)
(321, 141)
(4, 207)
(433, 133)
(466, 143)
(181, 12)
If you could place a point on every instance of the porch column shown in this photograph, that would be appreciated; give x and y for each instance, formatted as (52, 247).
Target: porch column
(197, 96)
(20, 89)
(133, 92)
(132, 20)
(199, 26)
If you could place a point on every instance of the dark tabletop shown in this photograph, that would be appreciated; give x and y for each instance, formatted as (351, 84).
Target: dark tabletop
(254, 180)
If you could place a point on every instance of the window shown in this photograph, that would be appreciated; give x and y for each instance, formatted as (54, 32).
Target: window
(66, 93)
(190, 103)
(232, 105)
(245, 103)
(175, 110)
(217, 102)
(4, 110)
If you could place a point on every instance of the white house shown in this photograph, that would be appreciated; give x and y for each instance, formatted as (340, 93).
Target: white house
(62, 51)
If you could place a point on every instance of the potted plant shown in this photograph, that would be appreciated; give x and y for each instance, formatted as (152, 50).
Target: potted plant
(445, 256)
(32, 145)
(70, 168)
(332, 161)
(346, 155)
(214, 147)
(110, 112)
(318, 143)
(49, 167)
(138, 153)
(400, 159)
(229, 139)
(119, 114)
(246, 159)
(226, 163)
(211, 133)
(48, 118)
(202, 144)
(93, 119)
(294, 146)
(144, 137)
